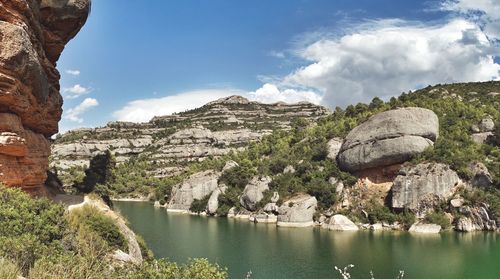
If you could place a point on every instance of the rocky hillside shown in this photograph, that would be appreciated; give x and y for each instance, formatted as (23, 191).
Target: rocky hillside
(426, 161)
(168, 143)
(33, 34)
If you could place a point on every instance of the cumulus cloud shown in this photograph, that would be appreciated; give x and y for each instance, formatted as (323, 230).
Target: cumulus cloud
(486, 12)
(145, 109)
(76, 91)
(270, 93)
(385, 57)
(73, 72)
(75, 114)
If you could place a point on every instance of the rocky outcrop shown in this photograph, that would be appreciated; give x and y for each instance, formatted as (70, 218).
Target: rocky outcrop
(213, 201)
(483, 132)
(297, 211)
(421, 187)
(229, 165)
(475, 219)
(254, 192)
(171, 142)
(333, 147)
(197, 186)
(389, 138)
(32, 36)
(339, 222)
(481, 177)
(134, 254)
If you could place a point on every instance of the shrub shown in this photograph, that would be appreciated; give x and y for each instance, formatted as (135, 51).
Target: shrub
(323, 191)
(438, 218)
(105, 227)
(199, 205)
(236, 177)
(379, 213)
(30, 228)
(8, 270)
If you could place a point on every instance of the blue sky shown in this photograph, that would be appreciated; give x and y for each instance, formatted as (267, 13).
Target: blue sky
(135, 59)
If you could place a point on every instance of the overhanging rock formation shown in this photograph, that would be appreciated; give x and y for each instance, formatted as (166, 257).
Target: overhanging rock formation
(389, 138)
(33, 34)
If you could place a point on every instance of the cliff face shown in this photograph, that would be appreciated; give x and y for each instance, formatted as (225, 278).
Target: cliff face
(170, 142)
(33, 34)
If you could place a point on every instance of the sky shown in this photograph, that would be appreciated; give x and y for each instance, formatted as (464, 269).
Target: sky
(135, 59)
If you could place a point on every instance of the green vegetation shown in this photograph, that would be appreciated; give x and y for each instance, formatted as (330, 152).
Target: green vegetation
(438, 218)
(39, 239)
(89, 218)
(199, 205)
(304, 147)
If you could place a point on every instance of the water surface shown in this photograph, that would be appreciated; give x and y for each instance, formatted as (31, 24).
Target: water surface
(272, 252)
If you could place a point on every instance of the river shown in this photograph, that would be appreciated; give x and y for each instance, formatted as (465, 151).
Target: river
(298, 253)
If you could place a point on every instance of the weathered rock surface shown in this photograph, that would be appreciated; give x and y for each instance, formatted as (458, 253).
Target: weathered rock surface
(334, 146)
(389, 138)
(297, 211)
(475, 219)
(487, 124)
(339, 222)
(213, 201)
(169, 142)
(481, 177)
(32, 36)
(229, 165)
(481, 138)
(254, 192)
(421, 187)
(197, 186)
(265, 218)
(425, 228)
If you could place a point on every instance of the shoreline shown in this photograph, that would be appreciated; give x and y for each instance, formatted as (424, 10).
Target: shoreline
(312, 224)
(131, 199)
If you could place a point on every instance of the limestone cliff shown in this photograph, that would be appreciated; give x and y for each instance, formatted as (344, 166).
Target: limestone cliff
(33, 34)
(171, 142)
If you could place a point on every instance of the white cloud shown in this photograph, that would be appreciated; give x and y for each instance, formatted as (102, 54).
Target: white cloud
(73, 72)
(270, 93)
(74, 114)
(76, 91)
(145, 109)
(385, 57)
(485, 12)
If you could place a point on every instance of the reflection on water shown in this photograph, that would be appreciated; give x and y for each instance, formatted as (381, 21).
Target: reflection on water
(272, 252)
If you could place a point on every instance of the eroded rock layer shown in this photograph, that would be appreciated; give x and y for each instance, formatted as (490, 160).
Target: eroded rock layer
(171, 142)
(389, 138)
(33, 34)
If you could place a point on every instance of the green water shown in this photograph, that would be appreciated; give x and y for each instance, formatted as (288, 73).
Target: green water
(271, 252)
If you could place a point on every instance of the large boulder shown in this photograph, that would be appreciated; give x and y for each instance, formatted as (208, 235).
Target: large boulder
(423, 186)
(254, 192)
(195, 187)
(213, 201)
(339, 222)
(425, 228)
(389, 138)
(297, 211)
(230, 165)
(476, 218)
(333, 147)
(481, 177)
(32, 37)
